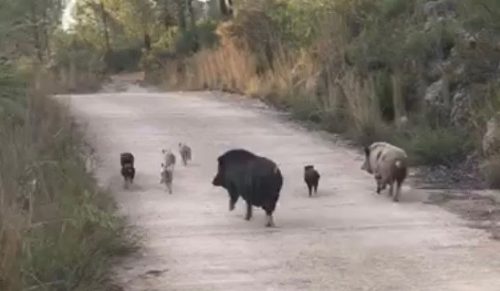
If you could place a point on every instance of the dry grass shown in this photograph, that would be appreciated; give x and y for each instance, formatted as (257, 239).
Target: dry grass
(224, 68)
(362, 105)
(293, 82)
(491, 171)
(57, 230)
(68, 80)
(329, 81)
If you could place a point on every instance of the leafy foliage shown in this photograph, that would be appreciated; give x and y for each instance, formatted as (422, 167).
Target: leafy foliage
(439, 146)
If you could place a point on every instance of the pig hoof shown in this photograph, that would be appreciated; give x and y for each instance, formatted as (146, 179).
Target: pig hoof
(270, 222)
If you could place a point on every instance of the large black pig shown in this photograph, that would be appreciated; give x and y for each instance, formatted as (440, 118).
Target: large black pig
(256, 179)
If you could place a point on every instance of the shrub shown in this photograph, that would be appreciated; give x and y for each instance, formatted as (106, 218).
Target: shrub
(206, 34)
(304, 108)
(57, 230)
(123, 60)
(356, 67)
(194, 39)
(490, 170)
(75, 66)
(440, 146)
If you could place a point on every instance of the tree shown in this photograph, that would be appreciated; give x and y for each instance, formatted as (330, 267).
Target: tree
(27, 26)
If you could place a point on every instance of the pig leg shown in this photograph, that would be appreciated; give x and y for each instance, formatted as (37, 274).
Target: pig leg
(380, 187)
(233, 197)
(378, 179)
(270, 221)
(269, 217)
(269, 207)
(381, 183)
(248, 215)
(309, 187)
(395, 198)
(232, 202)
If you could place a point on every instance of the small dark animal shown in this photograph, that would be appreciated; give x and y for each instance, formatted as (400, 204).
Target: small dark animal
(128, 170)
(256, 179)
(185, 152)
(167, 177)
(169, 158)
(311, 177)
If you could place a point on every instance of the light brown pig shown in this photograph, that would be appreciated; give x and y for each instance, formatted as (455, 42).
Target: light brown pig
(388, 164)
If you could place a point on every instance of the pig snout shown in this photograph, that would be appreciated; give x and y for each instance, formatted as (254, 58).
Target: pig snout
(217, 181)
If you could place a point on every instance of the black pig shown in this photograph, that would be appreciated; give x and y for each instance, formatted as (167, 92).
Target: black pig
(256, 179)
(311, 177)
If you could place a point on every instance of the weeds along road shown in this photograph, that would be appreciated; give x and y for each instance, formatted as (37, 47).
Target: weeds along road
(346, 238)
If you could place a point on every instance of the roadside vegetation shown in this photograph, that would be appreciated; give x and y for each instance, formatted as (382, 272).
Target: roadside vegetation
(422, 74)
(58, 230)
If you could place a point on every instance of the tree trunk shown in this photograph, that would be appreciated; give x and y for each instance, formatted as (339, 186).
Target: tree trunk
(397, 97)
(36, 32)
(45, 29)
(192, 15)
(147, 42)
(104, 18)
(226, 8)
(166, 15)
(192, 18)
(181, 11)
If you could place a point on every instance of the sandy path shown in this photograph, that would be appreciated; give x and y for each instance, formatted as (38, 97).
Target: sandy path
(346, 238)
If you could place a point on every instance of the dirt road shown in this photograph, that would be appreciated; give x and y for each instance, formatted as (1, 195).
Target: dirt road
(346, 238)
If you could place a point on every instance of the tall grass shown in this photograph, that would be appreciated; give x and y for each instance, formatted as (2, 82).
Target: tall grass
(293, 83)
(356, 67)
(58, 231)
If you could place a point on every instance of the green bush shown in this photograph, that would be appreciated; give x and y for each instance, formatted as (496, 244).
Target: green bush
(441, 146)
(394, 8)
(369, 133)
(206, 34)
(192, 40)
(166, 41)
(304, 108)
(123, 60)
(481, 15)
